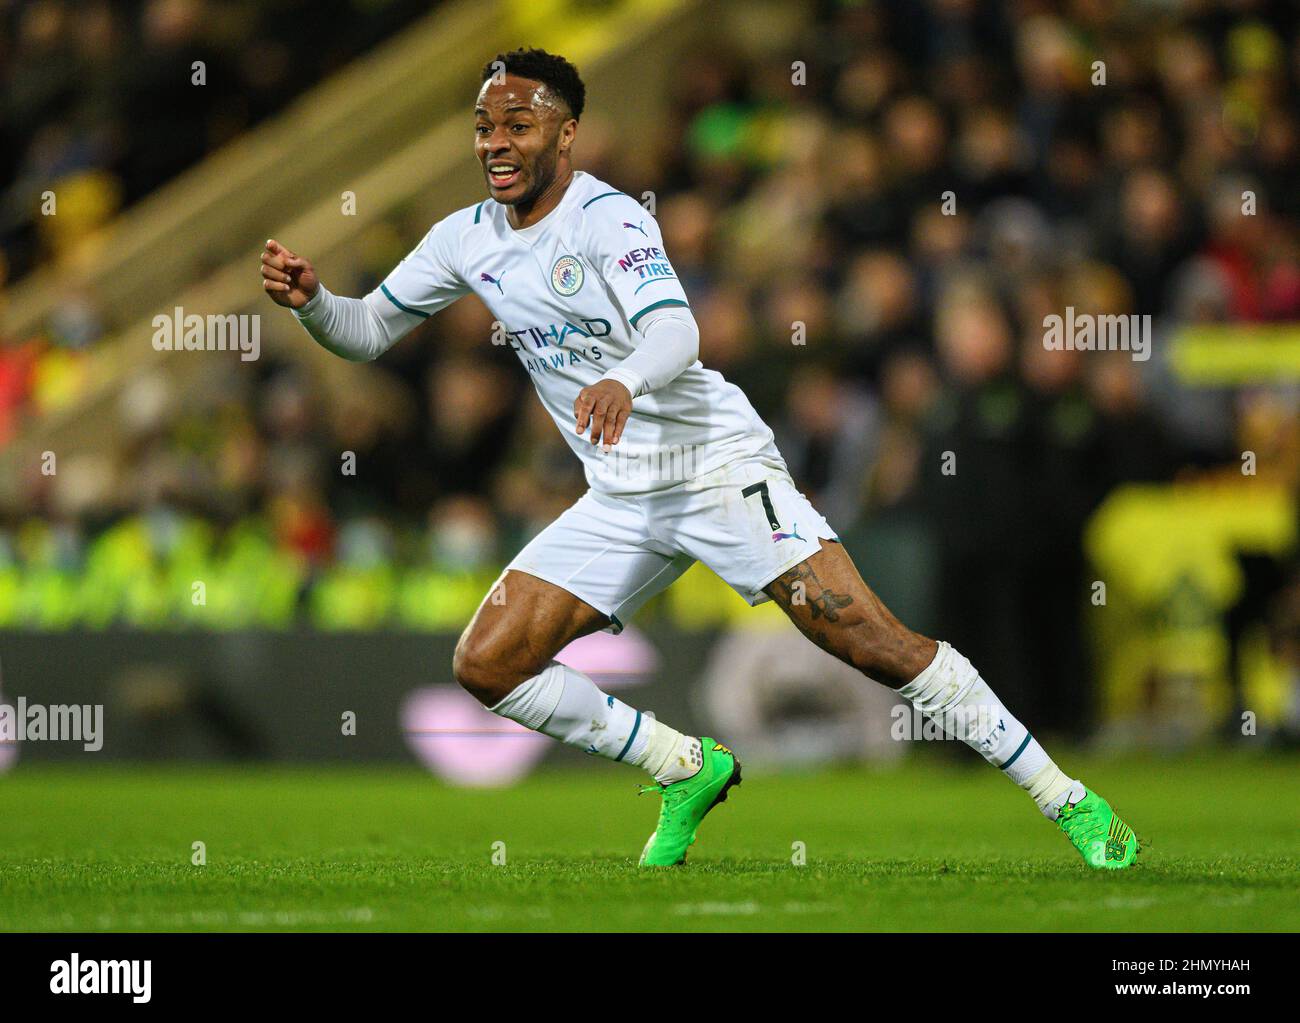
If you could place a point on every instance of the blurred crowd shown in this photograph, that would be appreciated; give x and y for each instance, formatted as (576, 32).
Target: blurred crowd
(100, 105)
(872, 221)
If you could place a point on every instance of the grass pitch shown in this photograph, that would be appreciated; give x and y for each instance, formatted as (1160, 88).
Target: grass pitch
(918, 847)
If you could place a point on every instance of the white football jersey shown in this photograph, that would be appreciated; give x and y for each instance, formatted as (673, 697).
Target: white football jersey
(568, 292)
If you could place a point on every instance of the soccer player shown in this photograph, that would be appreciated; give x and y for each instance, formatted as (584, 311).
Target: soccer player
(680, 469)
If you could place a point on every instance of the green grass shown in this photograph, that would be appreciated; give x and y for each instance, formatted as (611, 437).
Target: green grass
(919, 847)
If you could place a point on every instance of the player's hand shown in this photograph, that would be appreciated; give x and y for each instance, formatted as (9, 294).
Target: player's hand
(289, 279)
(605, 405)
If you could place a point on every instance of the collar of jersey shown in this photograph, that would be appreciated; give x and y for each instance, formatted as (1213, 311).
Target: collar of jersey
(532, 232)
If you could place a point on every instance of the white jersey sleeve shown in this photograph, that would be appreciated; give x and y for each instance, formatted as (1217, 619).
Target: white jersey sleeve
(625, 247)
(670, 344)
(421, 284)
(428, 279)
(353, 328)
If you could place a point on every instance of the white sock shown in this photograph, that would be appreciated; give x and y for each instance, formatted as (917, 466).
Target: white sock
(671, 756)
(951, 692)
(565, 704)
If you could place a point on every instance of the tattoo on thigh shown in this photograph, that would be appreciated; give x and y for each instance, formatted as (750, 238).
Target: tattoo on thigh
(829, 604)
(823, 602)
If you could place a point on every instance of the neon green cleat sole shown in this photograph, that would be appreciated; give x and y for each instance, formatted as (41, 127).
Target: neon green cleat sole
(686, 803)
(1104, 841)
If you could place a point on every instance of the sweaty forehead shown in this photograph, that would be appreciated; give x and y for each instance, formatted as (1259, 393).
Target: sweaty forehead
(499, 98)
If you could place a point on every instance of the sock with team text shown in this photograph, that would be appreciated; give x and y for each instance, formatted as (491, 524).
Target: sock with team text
(565, 704)
(951, 692)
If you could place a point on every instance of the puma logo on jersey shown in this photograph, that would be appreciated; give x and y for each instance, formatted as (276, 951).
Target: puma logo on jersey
(636, 227)
(792, 535)
(489, 279)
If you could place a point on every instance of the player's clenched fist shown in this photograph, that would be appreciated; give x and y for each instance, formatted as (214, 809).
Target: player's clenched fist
(606, 404)
(289, 279)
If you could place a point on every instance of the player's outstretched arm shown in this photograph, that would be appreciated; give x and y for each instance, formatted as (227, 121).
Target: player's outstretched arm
(349, 327)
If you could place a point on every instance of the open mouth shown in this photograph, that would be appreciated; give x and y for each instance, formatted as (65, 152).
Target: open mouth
(503, 175)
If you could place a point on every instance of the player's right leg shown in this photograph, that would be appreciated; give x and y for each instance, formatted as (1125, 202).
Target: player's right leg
(749, 523)
(574, 578)
(826, 598)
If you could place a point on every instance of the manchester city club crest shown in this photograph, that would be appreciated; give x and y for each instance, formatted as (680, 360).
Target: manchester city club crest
(566, 276)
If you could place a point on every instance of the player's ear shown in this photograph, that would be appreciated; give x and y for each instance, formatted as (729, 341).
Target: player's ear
(568, 131)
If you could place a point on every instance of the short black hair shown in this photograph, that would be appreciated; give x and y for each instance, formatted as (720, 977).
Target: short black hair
(551, 70)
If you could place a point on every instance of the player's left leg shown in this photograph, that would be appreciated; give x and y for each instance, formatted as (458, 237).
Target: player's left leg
(827, 599)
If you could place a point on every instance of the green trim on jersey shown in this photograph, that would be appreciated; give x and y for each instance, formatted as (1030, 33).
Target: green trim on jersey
(479, 211)
(404, 308)
(603, 195)
(653, 280)
(653, 305)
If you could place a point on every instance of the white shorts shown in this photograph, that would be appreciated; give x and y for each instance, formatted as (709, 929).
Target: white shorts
(747, 521)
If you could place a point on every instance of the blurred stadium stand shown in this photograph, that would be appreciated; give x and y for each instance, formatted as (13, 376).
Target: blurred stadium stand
(780, 202)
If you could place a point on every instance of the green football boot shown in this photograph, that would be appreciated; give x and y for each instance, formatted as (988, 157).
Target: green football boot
(1104, 841)
(687, 802)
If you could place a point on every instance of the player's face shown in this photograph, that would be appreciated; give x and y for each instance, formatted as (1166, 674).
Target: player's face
(520, 129)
